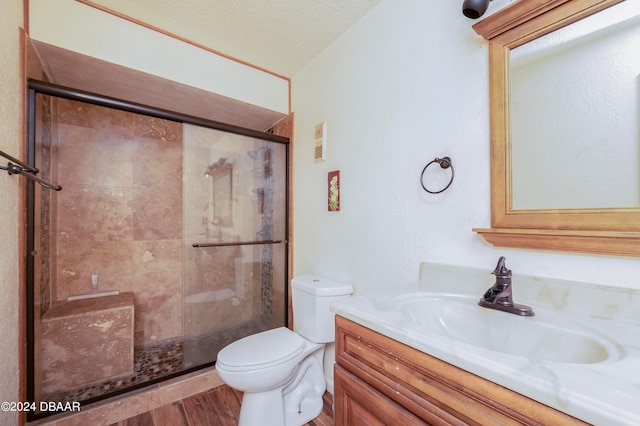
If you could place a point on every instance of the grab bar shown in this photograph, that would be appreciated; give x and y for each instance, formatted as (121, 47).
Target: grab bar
(22, 169)
(239, 243)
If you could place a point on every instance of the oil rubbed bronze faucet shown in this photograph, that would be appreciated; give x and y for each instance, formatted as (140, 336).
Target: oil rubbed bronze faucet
(500, 296)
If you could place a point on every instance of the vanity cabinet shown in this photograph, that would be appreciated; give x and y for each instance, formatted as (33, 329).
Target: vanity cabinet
(380, 381)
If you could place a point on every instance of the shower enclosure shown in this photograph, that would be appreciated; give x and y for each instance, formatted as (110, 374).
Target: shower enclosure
(166, 243)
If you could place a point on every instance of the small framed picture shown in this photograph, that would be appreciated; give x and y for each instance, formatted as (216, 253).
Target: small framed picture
(334, 191)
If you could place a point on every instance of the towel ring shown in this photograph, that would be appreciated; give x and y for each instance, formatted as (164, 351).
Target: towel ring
(445, 163)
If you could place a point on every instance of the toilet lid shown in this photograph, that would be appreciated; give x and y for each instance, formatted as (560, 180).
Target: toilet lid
(268, 347)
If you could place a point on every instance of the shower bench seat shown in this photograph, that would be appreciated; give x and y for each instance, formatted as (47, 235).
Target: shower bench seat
(87, 341)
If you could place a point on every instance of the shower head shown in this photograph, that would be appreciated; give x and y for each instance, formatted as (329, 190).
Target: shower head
(254, 154)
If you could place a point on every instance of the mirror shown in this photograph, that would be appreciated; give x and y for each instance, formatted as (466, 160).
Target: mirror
(574, 115)
(221, 174)
(565, 156)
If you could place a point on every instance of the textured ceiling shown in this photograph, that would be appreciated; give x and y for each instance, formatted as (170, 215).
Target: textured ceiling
(280, 36)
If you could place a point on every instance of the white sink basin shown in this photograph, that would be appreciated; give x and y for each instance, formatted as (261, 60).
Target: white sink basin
(546, 336)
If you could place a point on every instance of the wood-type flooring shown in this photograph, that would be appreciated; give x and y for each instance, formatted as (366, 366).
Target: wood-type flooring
(216, 407)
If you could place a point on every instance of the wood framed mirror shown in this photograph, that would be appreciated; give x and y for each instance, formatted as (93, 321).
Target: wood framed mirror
(597, 228)
(221, 174)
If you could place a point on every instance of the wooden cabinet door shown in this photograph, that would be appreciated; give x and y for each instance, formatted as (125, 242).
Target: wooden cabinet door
(357, 404)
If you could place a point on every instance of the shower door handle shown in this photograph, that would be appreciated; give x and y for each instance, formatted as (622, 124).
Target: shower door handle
(238, 243)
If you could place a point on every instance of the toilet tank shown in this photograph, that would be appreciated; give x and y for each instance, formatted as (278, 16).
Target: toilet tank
(312, 295)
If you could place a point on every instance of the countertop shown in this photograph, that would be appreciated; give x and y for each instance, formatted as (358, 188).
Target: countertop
(601, 393)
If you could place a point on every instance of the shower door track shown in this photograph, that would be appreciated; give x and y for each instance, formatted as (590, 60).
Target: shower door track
(239, 243)
(36, 86)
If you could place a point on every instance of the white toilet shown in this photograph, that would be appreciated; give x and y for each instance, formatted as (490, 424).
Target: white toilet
(280, 371)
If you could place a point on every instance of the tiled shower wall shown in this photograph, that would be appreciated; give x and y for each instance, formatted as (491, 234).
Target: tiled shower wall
(120, 212)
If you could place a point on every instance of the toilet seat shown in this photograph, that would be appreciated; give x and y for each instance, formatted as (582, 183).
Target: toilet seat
(261, 350)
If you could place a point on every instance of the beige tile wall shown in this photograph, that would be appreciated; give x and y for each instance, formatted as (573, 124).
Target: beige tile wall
(120, 213)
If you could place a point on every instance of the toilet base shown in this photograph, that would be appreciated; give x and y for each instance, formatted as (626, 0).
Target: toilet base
(293, 404)
(258, 407)
(303, 397)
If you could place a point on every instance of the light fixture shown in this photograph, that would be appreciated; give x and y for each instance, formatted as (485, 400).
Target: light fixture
(212, 167)
(474, 9)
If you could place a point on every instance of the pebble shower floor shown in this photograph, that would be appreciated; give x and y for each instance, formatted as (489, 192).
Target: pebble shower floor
(152, 362)
(160, 360)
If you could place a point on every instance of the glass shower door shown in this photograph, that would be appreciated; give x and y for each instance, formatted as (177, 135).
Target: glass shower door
(235, 249)
(166, 243)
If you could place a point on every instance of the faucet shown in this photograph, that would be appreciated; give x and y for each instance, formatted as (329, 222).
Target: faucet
(500, 295)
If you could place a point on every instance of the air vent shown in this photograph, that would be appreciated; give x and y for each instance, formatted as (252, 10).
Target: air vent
(321, 142)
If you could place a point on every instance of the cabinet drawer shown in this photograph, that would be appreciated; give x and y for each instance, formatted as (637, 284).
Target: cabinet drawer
(428, 387)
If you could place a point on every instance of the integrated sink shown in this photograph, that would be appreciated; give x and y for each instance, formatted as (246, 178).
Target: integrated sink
(578, 354)
(547, 336)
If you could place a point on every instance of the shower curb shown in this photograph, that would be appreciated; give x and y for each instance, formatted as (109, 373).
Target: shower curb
(131, 404)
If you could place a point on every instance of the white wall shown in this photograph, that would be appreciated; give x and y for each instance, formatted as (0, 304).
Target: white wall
(89, 31)
(406, 84)
(10, 21)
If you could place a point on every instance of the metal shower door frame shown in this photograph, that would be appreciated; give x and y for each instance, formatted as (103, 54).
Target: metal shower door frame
(39, 87)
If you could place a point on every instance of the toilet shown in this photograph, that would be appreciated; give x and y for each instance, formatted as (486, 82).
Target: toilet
(279, 371)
